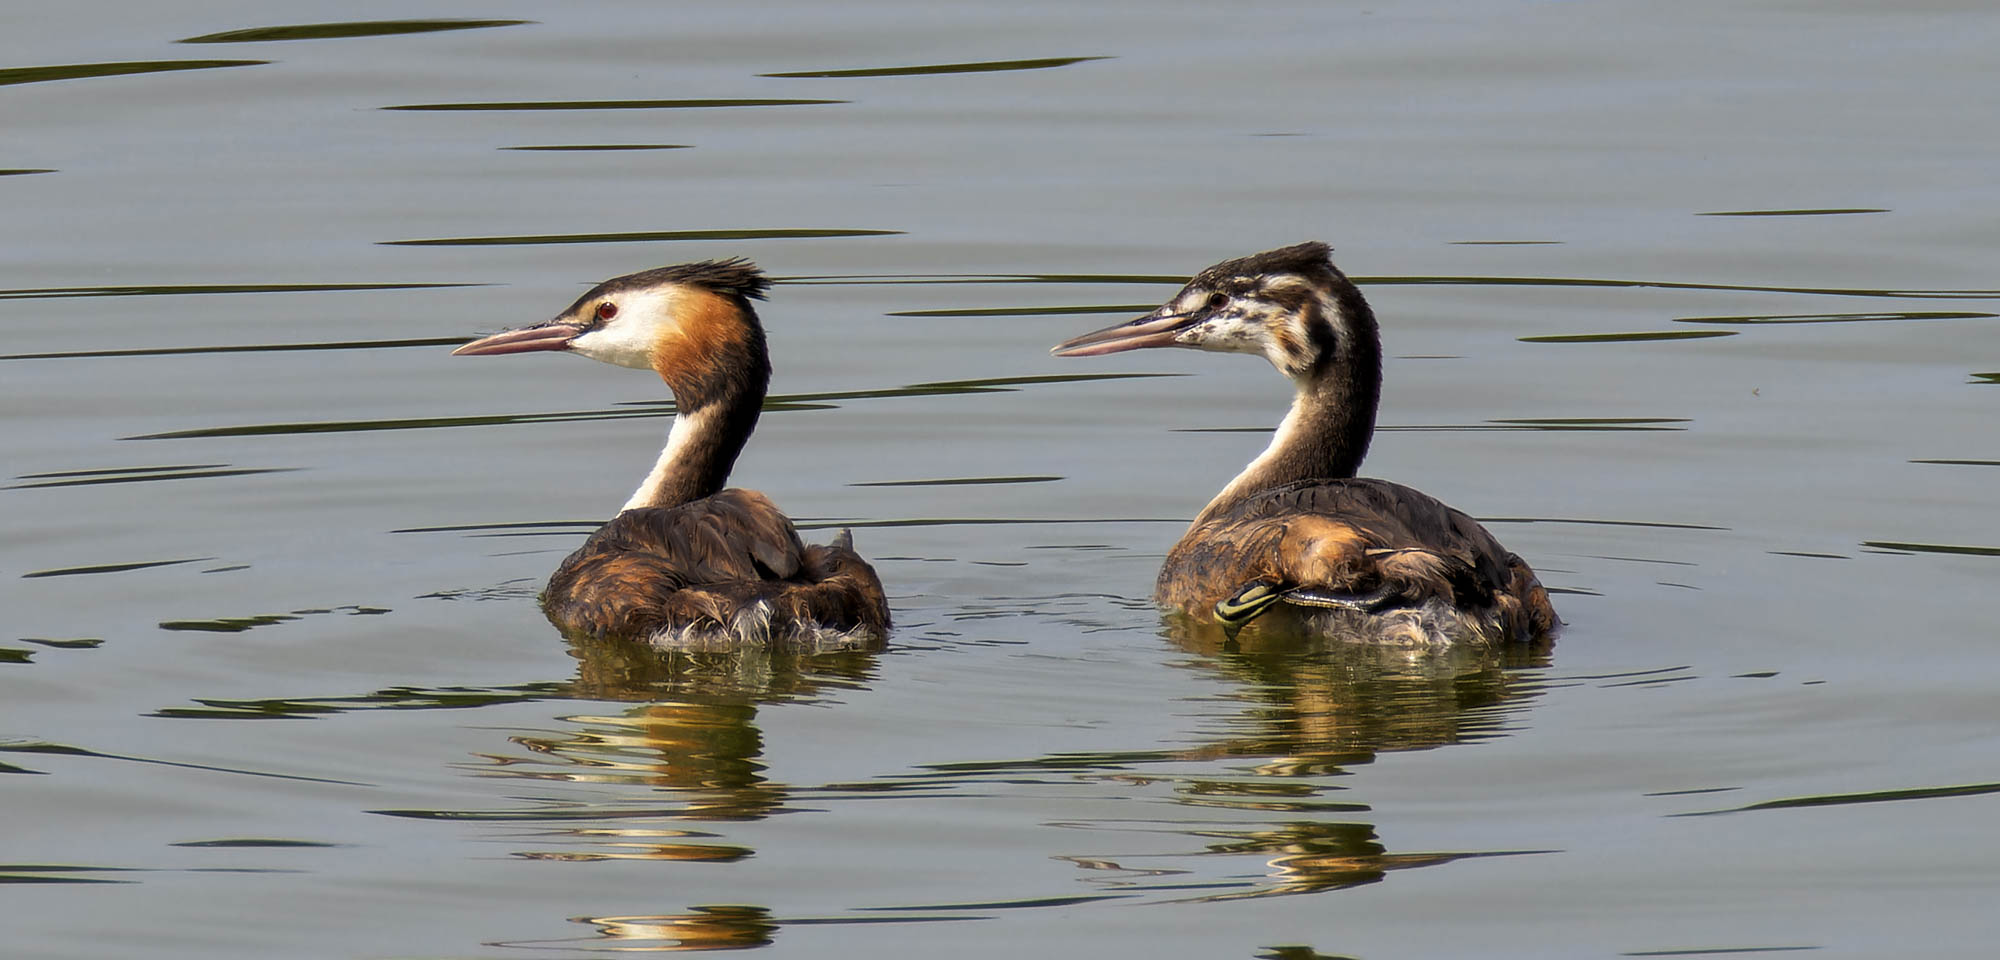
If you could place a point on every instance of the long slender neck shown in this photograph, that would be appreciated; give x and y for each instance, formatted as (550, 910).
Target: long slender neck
(719, 400)
(1326, 433)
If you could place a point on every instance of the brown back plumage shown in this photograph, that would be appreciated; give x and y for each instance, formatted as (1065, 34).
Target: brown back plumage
(687, 561)
(1296, 531)
(708, 564)
(1384, 544)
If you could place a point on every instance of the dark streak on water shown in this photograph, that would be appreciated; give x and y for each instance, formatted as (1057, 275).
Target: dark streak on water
(1396, 281)
(959, 481)
(612, 104)
(1672, 285)
(1629, 337)
(74, 643)
(641, 237)
(1647, 683)
(977, 521)
(1711, 951)
(147, 476)
(990, 66)
(243, 348)
(176, 290)
(642, 409)
(240, 624)
(23, 171)
(1587, 423)
(411, 423)
(1610, 523)
(1822, 212)
(256, 842)
(393, 698)
(359, 28)
(603, 146)
(1964, 550)
(65, 750)
(1604, 556)
(1552, 424)
(1010, 904)
(1842, 317)
(77, 71)
(15, 878)
(1619, 675)
(120, 470)
(109, 568)
(1845, 799)
(1028, 311)
(579, 525)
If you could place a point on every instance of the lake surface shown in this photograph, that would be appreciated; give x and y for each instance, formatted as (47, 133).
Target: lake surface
(1694, 304)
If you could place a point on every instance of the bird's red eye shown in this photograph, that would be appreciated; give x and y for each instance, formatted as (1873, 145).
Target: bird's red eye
(607, 310)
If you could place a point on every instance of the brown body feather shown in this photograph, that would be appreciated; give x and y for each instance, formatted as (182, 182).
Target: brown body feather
(1296, 535)
(705, 564)
(1359, 536)
(687, 562)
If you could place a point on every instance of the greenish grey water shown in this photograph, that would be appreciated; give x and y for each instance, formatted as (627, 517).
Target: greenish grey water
(1691, 304)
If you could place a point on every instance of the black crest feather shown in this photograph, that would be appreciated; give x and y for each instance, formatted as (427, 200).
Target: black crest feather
(734, 277)
(1304, 258)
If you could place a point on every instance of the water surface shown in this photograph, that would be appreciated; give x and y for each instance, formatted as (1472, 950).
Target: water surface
(1692, 305)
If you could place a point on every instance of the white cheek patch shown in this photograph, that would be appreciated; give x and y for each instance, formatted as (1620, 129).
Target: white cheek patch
(627, 339)
(1225, 335)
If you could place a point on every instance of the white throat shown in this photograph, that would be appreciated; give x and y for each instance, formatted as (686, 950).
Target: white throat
(687, 426)
(1282, 438)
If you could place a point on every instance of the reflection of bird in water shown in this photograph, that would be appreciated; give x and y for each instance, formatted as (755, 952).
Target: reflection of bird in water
(687, 561)
(1317, 707)
(690, 743)
(718, 927)
(1312, 714)
(1297, 531)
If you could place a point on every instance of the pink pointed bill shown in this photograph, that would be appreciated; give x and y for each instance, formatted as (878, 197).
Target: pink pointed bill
(548, 336)
(1152, 330)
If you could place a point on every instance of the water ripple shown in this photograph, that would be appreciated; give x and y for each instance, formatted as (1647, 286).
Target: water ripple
(988, 66)
(76, 71)
(79, 478)
(613, 104)
(1629, 337)
(603, 146)
(647, 236)
(109, 568)
(194, 289)
(243, 348)
(1846, 799)
(642, 409)
(358, 28)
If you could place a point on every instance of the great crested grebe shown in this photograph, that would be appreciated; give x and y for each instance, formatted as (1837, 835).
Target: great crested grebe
(686, 562)
(1296, 530)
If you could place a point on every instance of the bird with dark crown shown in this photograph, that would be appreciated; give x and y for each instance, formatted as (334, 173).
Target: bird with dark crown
(687, 562)
(1297, 534)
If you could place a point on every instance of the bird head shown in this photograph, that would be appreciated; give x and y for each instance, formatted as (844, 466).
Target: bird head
(692, 323)
(1291, 306)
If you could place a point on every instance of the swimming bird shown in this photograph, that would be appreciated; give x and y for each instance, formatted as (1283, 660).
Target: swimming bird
(686, 562)
(1297, 531)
